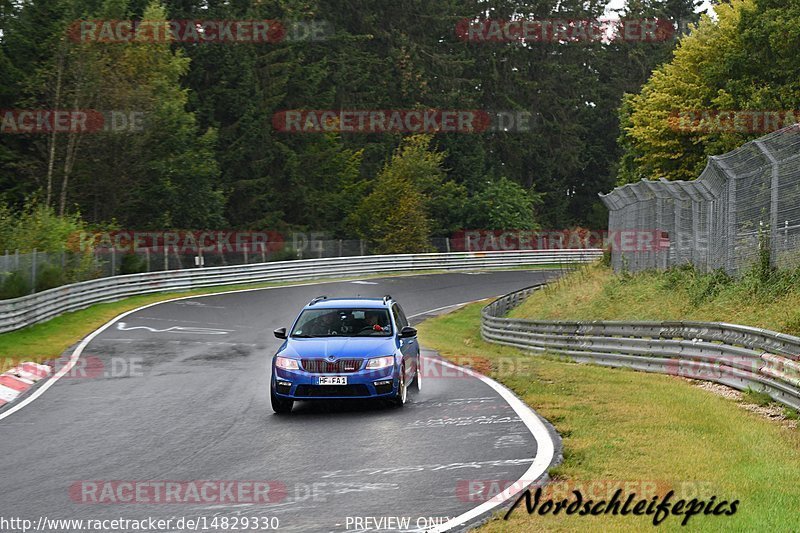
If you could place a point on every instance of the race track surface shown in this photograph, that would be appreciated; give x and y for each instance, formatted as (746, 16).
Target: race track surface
(179, 392)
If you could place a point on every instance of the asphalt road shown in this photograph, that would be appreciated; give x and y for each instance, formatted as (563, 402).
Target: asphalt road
(179, 392)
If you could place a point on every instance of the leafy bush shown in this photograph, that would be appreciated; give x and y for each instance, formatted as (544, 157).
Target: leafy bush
(286, 253)
(503, 204)
(49, 277)
(37, 227)
(132, 264)
(14, 286)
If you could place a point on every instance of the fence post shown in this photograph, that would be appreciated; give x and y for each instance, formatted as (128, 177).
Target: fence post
(677, 227)
(147, 258)
(263, 252)
(33, 271)
(730, 217)
(113, 261)
(340, 247)
(361, 246)
(773, 203)
(16, 259)
(447, 243)
(731, 248)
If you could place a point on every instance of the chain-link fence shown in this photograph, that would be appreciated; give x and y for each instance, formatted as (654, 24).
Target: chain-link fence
(745, 201)
(27, 273)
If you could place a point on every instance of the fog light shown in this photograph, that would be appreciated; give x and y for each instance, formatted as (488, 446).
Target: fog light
(284, 384)
(384, 386)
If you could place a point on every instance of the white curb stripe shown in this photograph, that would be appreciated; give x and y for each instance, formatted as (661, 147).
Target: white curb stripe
(8, 395)
(544, 454)
(16, 377)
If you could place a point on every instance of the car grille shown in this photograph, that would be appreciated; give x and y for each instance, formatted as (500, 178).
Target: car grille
(318, 391)
(321, 366)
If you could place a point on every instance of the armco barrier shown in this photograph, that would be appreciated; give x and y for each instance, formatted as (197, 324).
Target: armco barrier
(28, 310)
(741, 357)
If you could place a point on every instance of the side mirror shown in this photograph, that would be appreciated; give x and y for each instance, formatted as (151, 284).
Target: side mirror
(280, 333)
(408, 332)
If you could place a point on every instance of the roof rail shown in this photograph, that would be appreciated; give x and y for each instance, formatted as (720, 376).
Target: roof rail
(317, 299)
(387, 298)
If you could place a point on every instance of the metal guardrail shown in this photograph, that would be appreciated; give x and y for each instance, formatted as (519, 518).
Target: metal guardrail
(741, 357)
(28, 310)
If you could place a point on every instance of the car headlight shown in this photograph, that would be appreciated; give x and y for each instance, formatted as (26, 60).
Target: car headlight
(286, 363)
(380, 362)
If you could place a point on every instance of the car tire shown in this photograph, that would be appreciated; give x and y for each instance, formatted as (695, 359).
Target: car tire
(402, 388)
(418, 375)
(280, 405)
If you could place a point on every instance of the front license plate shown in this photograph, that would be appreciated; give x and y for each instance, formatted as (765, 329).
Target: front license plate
(333, 380)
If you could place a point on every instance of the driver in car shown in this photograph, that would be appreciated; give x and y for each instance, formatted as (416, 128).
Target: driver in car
(373, 322)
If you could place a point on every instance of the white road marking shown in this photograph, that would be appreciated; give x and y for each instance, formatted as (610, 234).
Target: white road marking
(509, 441)
(363, 283)
(472, 465)
(122, 326)
(429, 311)
(200, 304)
(462, 421)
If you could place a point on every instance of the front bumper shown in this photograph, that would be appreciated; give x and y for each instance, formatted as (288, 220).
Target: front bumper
(301, 385)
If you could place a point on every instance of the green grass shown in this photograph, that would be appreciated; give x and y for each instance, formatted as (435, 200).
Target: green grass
(761, 399)
(623, 425)
(770, 300)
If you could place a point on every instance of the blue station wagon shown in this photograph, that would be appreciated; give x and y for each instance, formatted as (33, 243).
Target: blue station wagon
(342, 348)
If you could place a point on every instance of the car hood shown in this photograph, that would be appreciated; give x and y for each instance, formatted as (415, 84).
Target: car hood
(342, 347)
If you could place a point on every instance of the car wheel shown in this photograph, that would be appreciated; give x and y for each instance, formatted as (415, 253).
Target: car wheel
(280, 405)
(402, 388)
(418, 375)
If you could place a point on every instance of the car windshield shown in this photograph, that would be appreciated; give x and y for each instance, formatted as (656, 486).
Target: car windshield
(343, 322)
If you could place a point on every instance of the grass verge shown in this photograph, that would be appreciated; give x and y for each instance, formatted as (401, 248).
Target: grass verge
(644, 429)
(761, 298)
